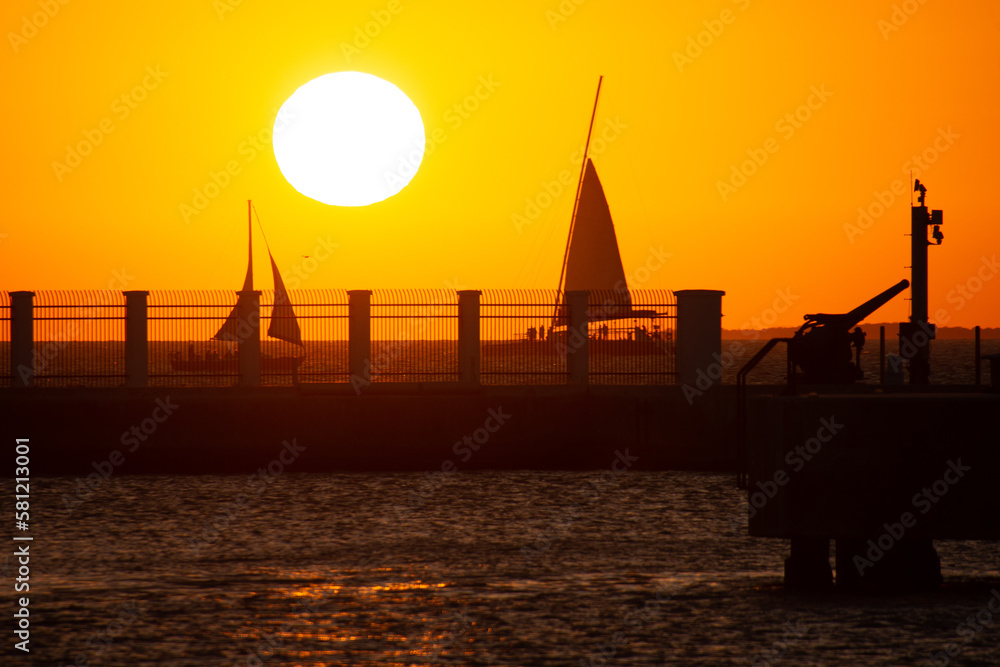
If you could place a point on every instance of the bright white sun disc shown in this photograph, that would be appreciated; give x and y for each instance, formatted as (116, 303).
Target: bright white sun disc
(348, 139)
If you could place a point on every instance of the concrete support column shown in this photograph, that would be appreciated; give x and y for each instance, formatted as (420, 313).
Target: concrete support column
(359, 327)
(808, 564)
(249, 345)
(469, 351)
(136, 339)
(22, 338)
(699, 334)
(577, 348)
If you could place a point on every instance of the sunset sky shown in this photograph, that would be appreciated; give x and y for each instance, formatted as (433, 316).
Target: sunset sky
(835, 101)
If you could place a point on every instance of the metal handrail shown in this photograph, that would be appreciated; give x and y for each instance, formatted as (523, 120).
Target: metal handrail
(741, 404)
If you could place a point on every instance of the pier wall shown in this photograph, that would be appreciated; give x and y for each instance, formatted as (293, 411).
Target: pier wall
(875, 466)
(397, 426)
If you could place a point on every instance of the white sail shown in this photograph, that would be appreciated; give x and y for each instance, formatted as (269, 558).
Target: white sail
(593, 262)
(284, 325)
(229, 331)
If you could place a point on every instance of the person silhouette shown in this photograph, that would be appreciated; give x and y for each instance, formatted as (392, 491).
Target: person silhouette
(858, 342)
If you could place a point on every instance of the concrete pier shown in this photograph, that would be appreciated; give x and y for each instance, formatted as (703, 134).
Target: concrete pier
(390, 426)
(881, 474)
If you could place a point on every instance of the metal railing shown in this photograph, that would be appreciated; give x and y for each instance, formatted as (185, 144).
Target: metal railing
(323, 319)
(181, 326)
(630, 339)
(182, 351)
(80, 338)
(6, 379)
(637, 345)
(414, 336)
(742, 461)
(518, 338)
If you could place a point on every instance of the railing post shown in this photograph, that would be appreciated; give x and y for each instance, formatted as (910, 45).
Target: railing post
(468, 335)
(979, 359)
(577, 342)
(699, 335)
(881, 355)
(22, 338)
(136, 339)
(359, 327)
(248, 347)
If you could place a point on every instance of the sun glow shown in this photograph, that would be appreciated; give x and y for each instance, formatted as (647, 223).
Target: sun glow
(348, 139)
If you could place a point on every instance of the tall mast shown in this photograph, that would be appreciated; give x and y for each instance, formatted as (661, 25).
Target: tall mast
(249, 246)
(576, 199)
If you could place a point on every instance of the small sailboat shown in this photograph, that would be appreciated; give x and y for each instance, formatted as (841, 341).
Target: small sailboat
(592, 262)
(283, 326)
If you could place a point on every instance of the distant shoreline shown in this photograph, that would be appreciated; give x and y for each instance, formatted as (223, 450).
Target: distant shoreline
(871, 331)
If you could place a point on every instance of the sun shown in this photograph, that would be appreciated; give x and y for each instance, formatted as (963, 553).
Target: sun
(348, 139)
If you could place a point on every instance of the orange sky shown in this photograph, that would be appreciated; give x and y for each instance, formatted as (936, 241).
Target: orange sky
(211, 76)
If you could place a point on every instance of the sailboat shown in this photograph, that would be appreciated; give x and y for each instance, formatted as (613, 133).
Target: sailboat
(592, 262)
(284, 325)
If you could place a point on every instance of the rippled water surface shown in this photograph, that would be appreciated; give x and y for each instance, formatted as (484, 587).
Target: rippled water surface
(504, 568)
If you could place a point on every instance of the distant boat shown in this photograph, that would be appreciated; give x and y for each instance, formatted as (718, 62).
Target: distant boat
(592, 262)
(284, 325)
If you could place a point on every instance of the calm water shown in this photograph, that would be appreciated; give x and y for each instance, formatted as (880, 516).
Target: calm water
(505, 568)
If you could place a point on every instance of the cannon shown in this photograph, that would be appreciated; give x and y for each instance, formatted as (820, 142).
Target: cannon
(822, 346)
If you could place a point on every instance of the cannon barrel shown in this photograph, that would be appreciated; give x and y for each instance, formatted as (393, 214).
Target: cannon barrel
(848, 320)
